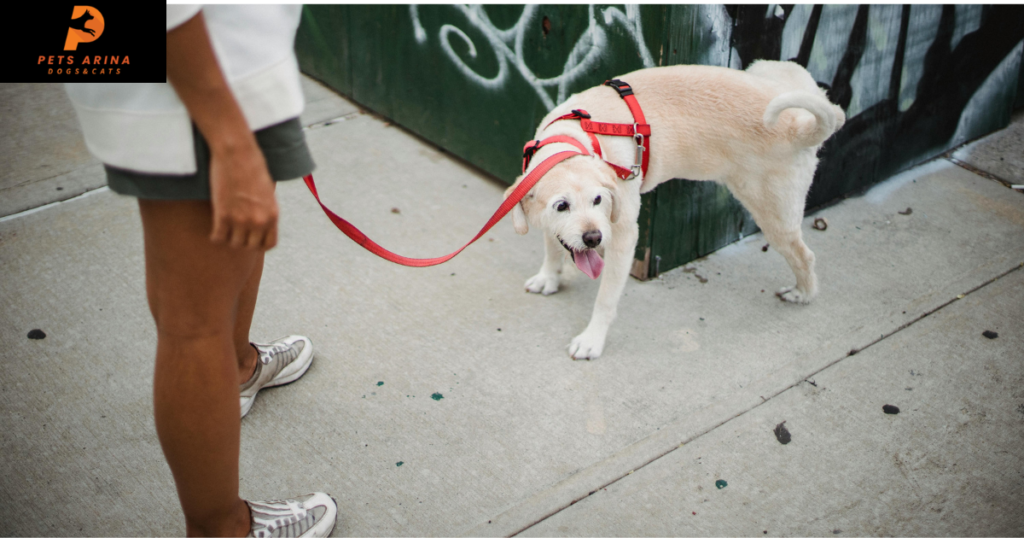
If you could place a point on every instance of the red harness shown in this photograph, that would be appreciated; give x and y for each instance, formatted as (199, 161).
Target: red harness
(639, 130)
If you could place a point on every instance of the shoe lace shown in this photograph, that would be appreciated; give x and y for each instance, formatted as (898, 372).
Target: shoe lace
(281, 514)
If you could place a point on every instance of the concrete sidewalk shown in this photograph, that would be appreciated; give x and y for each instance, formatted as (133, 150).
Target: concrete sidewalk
(696, 374)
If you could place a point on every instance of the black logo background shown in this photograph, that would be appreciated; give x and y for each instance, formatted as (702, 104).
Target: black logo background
(33, 29)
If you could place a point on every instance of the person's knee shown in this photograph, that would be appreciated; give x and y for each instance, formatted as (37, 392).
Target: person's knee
(192, 323)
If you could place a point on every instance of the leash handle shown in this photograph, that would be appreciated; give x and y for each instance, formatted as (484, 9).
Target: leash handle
(517, 195)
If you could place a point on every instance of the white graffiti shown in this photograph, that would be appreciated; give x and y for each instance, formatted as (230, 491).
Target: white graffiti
(507, 45)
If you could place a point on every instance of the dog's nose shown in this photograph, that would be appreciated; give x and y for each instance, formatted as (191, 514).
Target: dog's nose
(592, 239)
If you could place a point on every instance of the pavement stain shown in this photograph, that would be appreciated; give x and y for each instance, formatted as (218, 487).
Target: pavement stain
(437, 396)
(782, 434)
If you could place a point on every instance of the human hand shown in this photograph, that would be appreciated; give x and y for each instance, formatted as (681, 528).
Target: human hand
(242, 194)
(241, 190)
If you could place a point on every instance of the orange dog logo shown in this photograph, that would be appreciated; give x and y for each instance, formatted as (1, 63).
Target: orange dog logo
(78, 32)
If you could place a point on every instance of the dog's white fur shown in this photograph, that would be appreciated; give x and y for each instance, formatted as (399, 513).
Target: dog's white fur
(757, 131)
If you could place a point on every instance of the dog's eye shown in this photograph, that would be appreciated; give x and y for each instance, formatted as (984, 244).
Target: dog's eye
(562, 206)
(597, 201)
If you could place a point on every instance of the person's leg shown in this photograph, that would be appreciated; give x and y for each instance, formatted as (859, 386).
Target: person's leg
(194, 289)
(246, 354)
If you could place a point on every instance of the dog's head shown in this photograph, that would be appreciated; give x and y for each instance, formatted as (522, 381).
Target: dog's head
(576, 203)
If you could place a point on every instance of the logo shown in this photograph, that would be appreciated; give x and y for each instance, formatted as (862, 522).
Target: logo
(86, 26)
(85, 41)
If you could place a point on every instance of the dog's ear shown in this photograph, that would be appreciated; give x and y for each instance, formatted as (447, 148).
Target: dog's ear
(519, 221)
(612, 186)
(616, 206)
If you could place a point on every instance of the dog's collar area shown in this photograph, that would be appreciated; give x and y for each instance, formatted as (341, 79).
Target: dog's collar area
(639, 130)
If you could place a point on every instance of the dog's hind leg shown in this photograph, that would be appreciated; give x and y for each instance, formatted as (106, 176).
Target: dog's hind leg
(777, 205)
(791, 245)
(547, 279)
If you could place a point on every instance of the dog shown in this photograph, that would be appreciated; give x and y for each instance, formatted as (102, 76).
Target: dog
(757, 131)
(79, 23)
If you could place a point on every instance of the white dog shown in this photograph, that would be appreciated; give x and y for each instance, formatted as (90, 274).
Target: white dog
(757, 131)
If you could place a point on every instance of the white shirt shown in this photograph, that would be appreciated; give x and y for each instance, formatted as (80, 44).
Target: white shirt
(145, 126)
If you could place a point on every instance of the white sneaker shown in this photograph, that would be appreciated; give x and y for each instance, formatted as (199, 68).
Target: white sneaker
(281, 361)
(309, 515)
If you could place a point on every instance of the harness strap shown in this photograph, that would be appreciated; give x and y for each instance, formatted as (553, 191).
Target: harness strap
(626, 93)
(615, 129)
(517, 195)
(533, 146)
(582, 115)
(639, 130)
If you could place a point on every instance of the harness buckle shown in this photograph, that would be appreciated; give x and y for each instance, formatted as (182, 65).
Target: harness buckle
(620, 86)
(637, 167)
(580, 113)
(529, 149)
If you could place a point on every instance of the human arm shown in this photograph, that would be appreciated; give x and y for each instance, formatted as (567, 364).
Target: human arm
(241, 189)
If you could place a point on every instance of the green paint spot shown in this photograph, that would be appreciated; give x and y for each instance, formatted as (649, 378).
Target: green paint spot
(379, 383)
(437, 396)
(721, 484)
(399, 464)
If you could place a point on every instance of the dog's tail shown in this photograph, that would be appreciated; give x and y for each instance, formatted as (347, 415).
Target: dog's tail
(828, 118)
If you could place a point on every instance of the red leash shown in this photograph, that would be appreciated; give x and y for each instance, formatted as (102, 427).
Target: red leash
(359, 237)
(640, 131)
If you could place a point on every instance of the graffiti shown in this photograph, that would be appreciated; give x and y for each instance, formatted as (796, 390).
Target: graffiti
(914, 80)
(507, 46)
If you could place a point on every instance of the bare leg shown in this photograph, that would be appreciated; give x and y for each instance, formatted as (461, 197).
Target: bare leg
(194, 290)
(247, 355)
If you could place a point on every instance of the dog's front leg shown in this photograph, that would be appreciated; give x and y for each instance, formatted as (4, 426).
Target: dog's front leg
(618, 260)
(546, 281)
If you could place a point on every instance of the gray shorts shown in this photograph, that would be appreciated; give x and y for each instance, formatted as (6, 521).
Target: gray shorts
(283, 145)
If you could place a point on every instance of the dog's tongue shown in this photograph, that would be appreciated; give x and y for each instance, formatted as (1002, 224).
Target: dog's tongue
(590, 262)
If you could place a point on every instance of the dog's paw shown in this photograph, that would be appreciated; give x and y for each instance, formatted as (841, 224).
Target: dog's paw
(792, 295)
(586, 346)
(542, 283)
